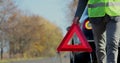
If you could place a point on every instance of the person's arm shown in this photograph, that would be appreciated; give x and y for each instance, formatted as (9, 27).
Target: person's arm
(80, 9)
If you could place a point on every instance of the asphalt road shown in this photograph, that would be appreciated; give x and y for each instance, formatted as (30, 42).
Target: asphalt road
(45, 60)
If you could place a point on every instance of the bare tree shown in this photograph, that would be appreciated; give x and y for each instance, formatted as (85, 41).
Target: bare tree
(7, 8)
(3, 40)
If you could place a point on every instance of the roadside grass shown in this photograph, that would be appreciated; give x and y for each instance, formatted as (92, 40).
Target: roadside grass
(19, 59)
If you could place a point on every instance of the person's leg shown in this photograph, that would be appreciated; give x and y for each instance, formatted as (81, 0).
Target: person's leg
(100, 39)
(113, 36)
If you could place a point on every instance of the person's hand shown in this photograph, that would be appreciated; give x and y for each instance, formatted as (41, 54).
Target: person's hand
(76, 20)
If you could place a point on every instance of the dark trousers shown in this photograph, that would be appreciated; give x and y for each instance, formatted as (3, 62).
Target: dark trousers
(106, 31)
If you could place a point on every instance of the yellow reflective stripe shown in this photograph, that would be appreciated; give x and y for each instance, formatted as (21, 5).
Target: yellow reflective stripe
(104, 4)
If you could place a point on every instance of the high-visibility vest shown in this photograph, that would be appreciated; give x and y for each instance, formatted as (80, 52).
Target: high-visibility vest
(98, 8)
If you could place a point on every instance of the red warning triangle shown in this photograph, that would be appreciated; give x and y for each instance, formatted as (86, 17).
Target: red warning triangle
(83, 46)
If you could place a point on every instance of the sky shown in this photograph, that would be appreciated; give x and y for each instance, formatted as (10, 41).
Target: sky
(53, 10)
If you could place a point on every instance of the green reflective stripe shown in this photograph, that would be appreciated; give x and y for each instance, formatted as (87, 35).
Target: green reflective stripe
(104, 4)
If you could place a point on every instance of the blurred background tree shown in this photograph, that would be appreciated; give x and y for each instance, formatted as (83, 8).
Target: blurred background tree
(28, 35)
